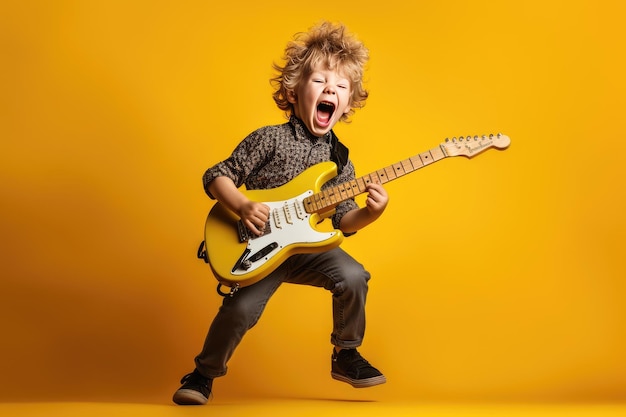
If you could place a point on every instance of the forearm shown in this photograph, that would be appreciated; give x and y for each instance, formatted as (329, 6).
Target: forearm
(355, 220)
(227, 193)
(253, 214)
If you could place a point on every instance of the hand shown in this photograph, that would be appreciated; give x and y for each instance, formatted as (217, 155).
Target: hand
(376, 200)
(254, 216)
(375, 203)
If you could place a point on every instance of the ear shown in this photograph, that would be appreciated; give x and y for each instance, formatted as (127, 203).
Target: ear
(291, 96)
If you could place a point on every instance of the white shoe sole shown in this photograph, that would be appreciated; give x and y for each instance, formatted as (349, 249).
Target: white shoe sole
(360, 383)
(189, 397)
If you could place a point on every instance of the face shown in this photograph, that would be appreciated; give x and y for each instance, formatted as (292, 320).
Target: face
(321, 99)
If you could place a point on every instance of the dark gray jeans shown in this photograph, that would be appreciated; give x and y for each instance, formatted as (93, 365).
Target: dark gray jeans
(333, 270)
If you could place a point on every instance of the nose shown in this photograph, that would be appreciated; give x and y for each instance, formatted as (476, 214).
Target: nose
(330, 89)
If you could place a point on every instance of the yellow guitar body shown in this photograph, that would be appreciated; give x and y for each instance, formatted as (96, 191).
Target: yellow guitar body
(232, 253)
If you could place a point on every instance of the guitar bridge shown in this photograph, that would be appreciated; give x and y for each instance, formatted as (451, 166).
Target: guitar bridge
(243, 232)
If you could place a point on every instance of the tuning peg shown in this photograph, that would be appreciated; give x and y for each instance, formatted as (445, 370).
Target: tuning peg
(476, 137)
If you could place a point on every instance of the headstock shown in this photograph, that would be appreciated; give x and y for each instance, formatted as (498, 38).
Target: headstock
(473, 145)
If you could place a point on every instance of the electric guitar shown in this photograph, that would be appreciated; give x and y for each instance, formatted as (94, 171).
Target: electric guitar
(240, 258)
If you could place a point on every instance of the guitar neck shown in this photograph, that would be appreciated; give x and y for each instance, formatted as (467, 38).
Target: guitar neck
(327, 199)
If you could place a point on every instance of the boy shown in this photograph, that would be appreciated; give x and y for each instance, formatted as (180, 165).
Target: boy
(319, 85)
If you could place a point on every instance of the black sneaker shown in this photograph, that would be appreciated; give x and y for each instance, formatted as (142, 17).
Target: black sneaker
(194, 391)
(349, 366)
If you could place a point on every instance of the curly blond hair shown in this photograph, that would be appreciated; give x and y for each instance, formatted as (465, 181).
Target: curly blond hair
(330, 44)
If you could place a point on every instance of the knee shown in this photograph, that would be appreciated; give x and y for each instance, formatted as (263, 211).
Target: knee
(355, 279)
(241, 314)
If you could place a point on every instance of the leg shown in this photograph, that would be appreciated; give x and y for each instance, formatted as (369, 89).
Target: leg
(236, 316)
(346, 279)
(338, 272)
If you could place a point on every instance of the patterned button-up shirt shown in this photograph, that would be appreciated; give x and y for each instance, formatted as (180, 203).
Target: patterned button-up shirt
(273, 155)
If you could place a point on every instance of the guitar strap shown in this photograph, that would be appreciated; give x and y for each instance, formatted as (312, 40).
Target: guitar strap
(338, 153)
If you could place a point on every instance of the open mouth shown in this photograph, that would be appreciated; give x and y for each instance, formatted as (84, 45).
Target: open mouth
(325, 111)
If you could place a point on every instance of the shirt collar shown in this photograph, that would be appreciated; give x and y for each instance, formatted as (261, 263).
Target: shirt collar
(338, 153)
(302, 131)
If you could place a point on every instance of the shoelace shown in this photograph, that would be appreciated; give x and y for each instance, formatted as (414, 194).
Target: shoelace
(357, 366)
(358, 361)
(194, 379)
(354, 360)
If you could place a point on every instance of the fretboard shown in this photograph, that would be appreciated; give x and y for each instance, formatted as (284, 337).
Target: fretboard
(327, 199)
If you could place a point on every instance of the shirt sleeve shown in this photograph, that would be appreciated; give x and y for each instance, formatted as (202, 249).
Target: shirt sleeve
(245, 159)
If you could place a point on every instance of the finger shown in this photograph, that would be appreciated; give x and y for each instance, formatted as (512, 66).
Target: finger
(257, 224)
(380, 190)
(260, 221)
(263, 213)
(253, 228)
(375, 196)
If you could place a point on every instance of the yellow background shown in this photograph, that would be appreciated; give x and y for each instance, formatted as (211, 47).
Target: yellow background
(499, 278)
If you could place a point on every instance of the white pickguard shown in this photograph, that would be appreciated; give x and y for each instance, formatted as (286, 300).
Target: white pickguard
(289, 224)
